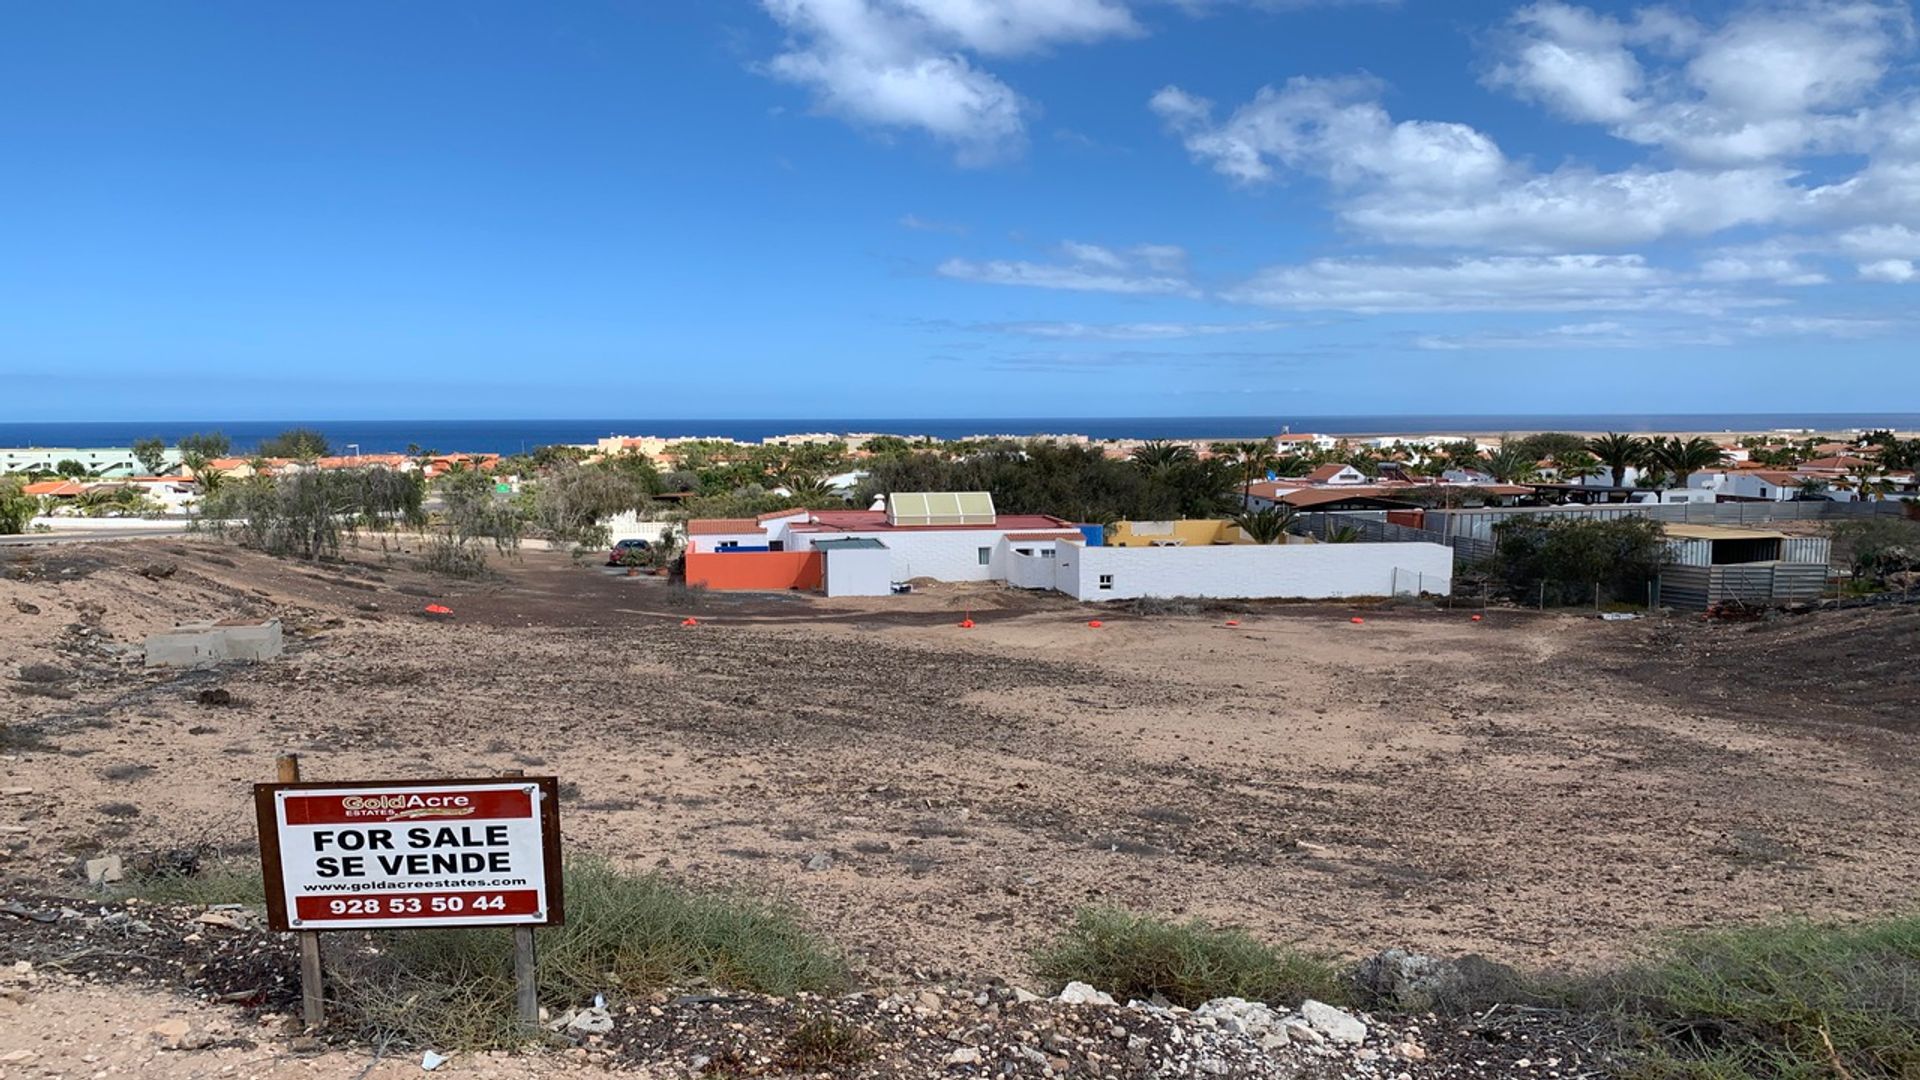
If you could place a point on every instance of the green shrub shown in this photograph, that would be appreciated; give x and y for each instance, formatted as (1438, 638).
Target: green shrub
(625, 934)
(1137, 956)
(1782, 1002)
(1561, 559)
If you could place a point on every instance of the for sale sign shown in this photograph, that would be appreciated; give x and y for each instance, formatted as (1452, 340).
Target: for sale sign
(388, 854)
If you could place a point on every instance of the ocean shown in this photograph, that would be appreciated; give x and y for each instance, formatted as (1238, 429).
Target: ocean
(515, 436)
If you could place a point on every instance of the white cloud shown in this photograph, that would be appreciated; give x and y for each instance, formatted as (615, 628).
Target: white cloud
(909, 64)
(1485, 283)
(919, 224)
(1771, 81)
(1144, 331)
(1620, 335)
(1744, 105)
(1093, 255)
(1881, 241)
(1142, 269)
(1078, 277)
(1895, 271)
(1428, 183)
(1768, 262)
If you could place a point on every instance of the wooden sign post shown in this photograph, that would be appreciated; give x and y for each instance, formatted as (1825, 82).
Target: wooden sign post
(410, 854)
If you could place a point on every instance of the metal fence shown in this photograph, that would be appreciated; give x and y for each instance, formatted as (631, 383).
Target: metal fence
(1478, 522)
(1376, 529)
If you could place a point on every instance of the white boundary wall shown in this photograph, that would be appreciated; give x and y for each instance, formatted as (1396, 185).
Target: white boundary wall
(1251, 571)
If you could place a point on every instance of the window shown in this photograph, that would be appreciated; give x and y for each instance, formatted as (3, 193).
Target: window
(725, 544)
(1106, 581)
(1046, 553)
(1023, 551)
(986, 554)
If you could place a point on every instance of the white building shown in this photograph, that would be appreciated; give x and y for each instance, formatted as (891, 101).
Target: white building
(1253, 571)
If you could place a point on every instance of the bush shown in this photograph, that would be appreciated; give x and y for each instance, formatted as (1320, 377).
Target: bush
(1877, 547)
(625, 934)
(17, 508)
(1785, 1001)
(1570, 556)
(1137, 956)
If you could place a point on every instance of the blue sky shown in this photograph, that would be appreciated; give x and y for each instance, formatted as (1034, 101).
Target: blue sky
(956, 207)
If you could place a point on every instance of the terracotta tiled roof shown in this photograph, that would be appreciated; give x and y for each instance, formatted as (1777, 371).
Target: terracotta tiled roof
(710, 526)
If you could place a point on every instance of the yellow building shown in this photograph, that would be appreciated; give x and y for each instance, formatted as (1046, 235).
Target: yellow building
(1189, 532)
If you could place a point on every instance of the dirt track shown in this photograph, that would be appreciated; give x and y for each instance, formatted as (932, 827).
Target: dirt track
(1539, 788)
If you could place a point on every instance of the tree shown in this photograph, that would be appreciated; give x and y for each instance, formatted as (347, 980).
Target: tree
(17, 508)
(1461, 454)
(1618, 453)
(1250, 459)
(1157, 456)
(297, 443)
(573, 503)
(1513, 464)
(1683, 458)
(1267, 525)
(70, 468)
(1877, 547)
(1576, 465)
(1811, 487)
(809, 490)
(1550, 444)
(1561, 559)
(197, 453)
(152, 454)
(472, 519)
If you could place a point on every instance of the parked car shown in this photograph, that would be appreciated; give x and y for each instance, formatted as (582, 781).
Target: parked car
(624, 546)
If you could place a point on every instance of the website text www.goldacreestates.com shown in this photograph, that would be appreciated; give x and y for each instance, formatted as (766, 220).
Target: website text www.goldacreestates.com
(412, 886)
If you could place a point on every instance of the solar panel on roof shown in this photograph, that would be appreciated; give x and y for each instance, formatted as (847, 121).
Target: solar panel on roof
(940, 508)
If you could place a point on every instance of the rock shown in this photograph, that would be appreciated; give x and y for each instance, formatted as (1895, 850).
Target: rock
(215, 697)
(966, 1055)
(1240, 1016)
(1336, 1024)
(104, 870)
(821, 861)
(25, 608)
(1300, 1031)
(17, 1057)
(594, 1021)
(233, 920)
(1024, 997)
(1079, 993)
(157, 571)
(179, 1034)
(1412, 1051)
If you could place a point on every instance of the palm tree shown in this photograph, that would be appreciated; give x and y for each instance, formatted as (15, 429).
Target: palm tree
(1811, 487)
(1683, 458)
(1513, 464)
(1267, 525)
(807, 489)
(1618, 453)
(1343, 534)
(1157, 456)
(1463, 455)
(1577, 465)
(1251, 458)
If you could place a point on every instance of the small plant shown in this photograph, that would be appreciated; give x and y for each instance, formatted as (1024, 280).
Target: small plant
(823, 1044)
(625, 934)
(1138, 956)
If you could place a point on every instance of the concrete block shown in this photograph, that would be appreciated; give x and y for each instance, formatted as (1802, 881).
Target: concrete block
(202, 644)
(105, 870)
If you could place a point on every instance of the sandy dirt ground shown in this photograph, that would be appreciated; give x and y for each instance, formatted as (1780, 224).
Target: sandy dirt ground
(1544, 789)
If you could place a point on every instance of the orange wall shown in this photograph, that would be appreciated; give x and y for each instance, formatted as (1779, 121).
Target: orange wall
(754, 569)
